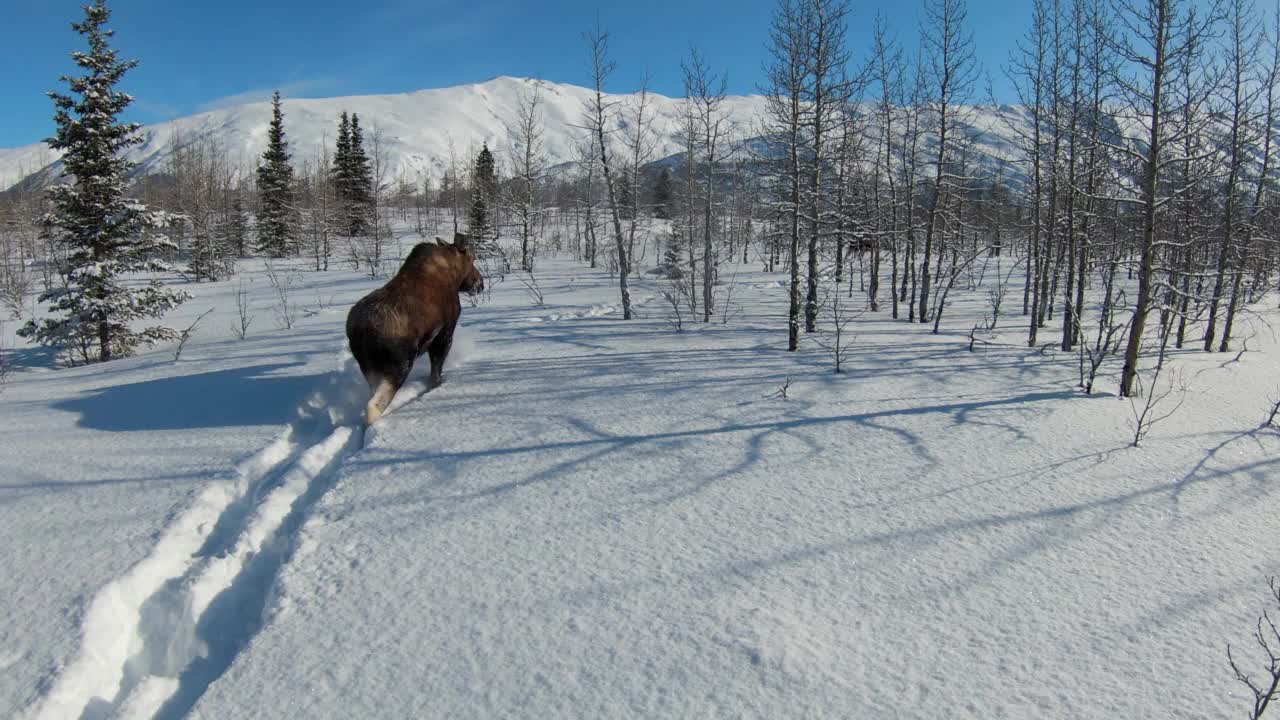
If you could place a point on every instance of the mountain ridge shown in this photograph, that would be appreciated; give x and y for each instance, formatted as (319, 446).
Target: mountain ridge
(419, 127)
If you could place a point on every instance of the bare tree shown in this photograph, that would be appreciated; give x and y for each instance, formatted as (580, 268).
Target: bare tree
(951, 70)
(1156, 38)
(320, 216)
(375, 249)
(640, 143)
(528, 160)
(200, 177)
(599, 113)
(826, 93)
(705, 92)
(886, 72)
(786, 73)
(1261, 126)
(1241, 56)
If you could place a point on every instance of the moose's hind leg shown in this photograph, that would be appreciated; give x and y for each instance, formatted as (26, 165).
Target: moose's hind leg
(386, 384)
(438, 351)
(383, 391)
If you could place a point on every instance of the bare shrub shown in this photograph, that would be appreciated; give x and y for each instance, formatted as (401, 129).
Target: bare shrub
(676, 296)
(1157, 400)
(728, 308)
(282, 284)
(781, 392)
(17, 281)
(1267, 636)
(6, 365)
(240, 325)
(185, 335)
(1110, 333)
(531, 288)
(838, 340)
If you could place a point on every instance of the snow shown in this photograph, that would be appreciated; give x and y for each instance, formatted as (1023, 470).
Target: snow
(418, 128)
(599, 518)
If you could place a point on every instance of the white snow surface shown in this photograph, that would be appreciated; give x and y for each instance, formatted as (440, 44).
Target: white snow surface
(598, 518)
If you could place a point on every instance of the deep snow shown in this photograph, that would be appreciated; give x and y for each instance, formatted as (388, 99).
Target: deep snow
(600, 518)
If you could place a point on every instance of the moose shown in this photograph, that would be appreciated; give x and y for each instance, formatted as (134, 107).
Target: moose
(416, 312)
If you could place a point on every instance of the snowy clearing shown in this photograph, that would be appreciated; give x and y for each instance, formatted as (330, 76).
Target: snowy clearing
(603, 518)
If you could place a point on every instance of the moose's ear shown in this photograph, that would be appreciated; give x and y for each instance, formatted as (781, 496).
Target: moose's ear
(461, 241)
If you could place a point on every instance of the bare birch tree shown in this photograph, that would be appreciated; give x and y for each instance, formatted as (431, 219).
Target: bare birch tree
(598, 119)
(705, 92)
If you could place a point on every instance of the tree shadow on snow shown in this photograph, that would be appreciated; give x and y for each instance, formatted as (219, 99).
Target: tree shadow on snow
(255, 395)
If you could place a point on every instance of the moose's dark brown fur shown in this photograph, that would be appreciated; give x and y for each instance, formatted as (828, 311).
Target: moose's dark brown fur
(416, 312)
(860, 245)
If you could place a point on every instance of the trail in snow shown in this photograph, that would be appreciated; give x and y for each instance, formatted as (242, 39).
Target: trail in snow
(593, 311)
(155, 638)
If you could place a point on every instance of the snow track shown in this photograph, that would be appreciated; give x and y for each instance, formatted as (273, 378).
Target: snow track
(594, 311)
(155, 638)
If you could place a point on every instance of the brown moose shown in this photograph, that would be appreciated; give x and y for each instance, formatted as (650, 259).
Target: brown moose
(414, 313)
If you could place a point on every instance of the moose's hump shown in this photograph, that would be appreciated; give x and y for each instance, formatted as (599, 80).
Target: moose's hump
(421, 254)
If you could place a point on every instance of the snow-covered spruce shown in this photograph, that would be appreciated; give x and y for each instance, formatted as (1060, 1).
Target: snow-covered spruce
(106, 234)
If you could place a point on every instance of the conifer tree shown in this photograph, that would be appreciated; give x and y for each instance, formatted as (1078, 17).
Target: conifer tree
(360, 183)
(662, 195)
(483, 190)
(277, 216)
(236, 227)
(105, 234)
(626, 196)
(342, 169)
(672, 261)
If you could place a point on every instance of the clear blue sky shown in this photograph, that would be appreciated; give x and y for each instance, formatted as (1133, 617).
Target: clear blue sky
(199, 55)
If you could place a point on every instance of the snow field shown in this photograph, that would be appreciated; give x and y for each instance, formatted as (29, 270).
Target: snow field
(594, 518)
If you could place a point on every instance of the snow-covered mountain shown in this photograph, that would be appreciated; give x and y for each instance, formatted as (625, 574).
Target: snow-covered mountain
(418, 128)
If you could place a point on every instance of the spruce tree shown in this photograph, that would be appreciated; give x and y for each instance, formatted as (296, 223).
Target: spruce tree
(277, 216)
(626, 197)
(237, 227)
(342, 169)
(213, 252)
(104, 233)
(360, 188)
(662, 195)
(484, 185)
(672, 261)
(215, 257)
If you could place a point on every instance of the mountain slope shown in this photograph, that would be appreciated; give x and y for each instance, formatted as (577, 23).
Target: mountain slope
(418, 128)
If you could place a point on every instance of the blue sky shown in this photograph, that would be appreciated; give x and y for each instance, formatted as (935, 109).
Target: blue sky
(200, 55)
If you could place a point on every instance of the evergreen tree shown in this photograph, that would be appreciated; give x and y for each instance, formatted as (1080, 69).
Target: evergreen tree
(237, 227)
(626, 197)
(213, 252)
(277, 216)
(214, 256)
(342, 169)
(484, 185)
(105, 234)
(672, 261)
(360, 183)
(662, 195)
